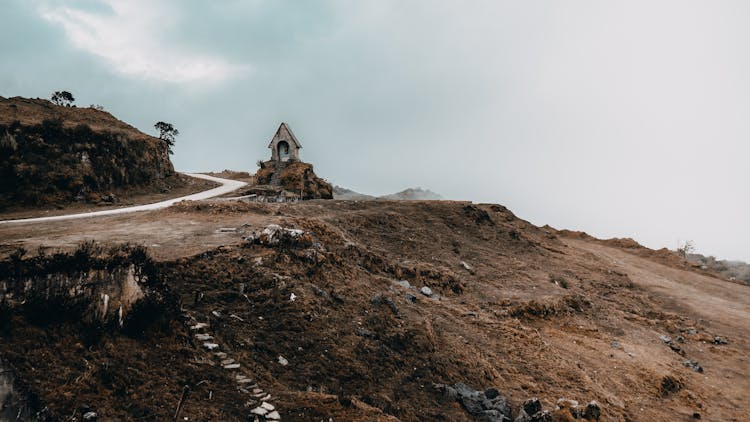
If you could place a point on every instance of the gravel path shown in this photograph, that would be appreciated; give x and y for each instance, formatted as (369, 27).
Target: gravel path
(227, 185)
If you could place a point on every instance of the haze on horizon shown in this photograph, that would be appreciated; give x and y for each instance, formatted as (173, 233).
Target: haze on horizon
(626, 119)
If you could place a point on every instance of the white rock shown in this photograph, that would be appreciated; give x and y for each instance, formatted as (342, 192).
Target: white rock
(292, 297)
(203, 337)
(199, 326)
(259, 411)
(232, 366)
(283, 361)
(274, 416)
(268, 406)
(210, 346)
(227, 361)
(426, 291)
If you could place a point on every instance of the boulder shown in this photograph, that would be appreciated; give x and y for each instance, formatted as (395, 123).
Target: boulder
(486, 405)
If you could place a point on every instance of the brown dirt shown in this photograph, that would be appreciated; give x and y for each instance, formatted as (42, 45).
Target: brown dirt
(537, 315)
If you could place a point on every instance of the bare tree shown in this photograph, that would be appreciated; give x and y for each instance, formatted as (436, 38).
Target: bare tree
(686, 249)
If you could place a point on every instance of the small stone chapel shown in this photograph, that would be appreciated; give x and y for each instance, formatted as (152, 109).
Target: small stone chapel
(284, 145)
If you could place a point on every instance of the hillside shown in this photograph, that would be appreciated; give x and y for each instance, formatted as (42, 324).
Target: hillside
(52, 156)
(297, 178)
(369, 310)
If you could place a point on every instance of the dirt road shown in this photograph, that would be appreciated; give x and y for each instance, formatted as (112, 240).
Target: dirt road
(227, 186)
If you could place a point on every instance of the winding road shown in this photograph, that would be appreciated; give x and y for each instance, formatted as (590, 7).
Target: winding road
(227, 185)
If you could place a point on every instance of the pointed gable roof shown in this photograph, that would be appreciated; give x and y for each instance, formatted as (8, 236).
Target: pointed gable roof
(283, 130)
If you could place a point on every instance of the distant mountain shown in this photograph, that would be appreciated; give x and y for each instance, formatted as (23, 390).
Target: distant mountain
(411, 194)
(350, 195)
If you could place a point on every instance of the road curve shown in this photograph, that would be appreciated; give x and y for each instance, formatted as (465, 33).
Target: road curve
(227, 185)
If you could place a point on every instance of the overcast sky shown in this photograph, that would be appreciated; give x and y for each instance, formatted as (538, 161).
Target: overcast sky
(620, 118)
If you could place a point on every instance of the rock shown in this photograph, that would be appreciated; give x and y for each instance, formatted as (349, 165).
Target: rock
(531, 411)
(523, 417)
(199, 326)
(403, 283)
(227, 361)
(467, 267)
(541, 416)
(283, 361)
(694, 365)
(217, 314)
(203, 337)
(363, 332)
(259, 411)
(274, 234)
(411, 298)
(232, 366)
(274, 416)
(669, 342)
(210, 346)
(90, 416)
(485, 405)
(426, 291)
(267, 406)
(569, 405)
(292, 297)
(616, 344)
(379, 299)
(592, 412)
(532, 406)
(220, 355)
(680, 339)
(692, 331)
(719, 340)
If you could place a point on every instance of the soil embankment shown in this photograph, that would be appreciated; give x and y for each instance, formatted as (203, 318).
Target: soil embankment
(52, 156)
(380, 310)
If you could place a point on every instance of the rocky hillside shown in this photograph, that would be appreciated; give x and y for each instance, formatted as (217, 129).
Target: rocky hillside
(51, 154)
(295, 177)
(369, 311)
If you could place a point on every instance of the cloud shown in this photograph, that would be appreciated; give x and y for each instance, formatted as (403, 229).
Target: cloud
(129, 37)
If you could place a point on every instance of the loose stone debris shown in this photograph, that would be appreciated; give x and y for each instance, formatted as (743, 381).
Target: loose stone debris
(258, 400)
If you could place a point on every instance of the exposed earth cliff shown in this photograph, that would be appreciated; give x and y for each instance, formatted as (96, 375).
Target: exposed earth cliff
(51, 154)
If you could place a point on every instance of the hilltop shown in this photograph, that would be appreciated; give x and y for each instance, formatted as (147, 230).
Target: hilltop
(371, 310)
(53, 156)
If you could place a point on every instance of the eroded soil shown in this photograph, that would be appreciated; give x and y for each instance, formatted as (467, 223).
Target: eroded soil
(532, 313)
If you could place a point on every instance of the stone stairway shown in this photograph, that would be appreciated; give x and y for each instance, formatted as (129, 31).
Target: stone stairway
(258, 400)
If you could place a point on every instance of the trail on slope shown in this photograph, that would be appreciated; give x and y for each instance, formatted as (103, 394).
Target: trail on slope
(227, 185)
